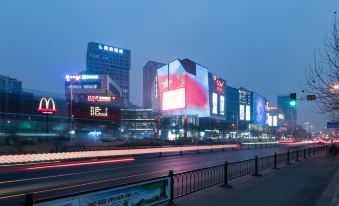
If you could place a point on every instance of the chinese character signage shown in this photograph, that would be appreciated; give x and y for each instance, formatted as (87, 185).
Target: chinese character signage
(145, 193)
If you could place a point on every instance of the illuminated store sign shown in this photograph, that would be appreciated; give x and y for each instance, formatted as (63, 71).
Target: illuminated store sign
(111, 49)
(98, 112)
(81, 77)
(47, 106)
(219, 84)
(100, 98)
(270, 107)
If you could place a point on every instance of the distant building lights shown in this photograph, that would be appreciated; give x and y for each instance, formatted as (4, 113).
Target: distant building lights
(111, 49)
(72, 77)
(89, 76)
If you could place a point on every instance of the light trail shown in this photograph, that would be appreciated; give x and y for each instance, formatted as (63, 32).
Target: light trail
(8, 159)
(82, 163)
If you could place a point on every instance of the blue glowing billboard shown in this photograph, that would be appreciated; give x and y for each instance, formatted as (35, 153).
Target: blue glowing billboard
(259, 112)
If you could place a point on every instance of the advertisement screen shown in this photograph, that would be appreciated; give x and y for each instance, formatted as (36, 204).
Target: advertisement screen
(242, 112)
(174, 99)
(222, 105)
(275, 121)
(98, 111)
(214, 103)
(248, 113)
(259, 112)
(191, 85)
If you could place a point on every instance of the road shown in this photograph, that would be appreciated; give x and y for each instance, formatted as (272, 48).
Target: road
(56, 178)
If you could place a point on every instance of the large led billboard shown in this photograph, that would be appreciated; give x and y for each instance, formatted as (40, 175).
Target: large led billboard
(259, 112)
(248, 113)
(174, 99)
(214, 103)
(242, 112)
(222, 105)
(183, 89)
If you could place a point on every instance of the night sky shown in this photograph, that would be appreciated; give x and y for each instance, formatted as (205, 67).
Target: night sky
(264, 46)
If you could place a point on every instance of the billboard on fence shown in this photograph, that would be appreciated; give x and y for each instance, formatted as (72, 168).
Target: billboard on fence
(144, 193)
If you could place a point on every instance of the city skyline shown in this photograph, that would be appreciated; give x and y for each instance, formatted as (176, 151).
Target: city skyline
(224, 33)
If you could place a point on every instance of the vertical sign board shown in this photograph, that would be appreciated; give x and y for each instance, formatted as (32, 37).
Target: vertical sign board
(144, 193)
(332, 124)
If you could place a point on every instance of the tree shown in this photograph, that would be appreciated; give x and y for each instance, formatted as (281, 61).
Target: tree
(322, 77)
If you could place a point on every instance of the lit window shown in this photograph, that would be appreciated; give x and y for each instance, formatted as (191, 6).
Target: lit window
(116, 49)
(106, 48)
(121, 51)
(111, 48)
(100, 47)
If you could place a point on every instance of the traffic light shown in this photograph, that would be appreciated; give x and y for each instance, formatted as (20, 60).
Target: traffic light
(293, 99)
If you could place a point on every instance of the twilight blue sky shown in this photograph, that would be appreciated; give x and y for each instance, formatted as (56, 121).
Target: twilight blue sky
(262, 45)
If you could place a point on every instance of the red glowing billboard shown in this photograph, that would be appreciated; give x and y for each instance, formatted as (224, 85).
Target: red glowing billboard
(183, 89)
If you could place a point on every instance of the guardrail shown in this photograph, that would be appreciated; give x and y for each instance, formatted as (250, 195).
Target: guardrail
(184, 183)
(195, 180)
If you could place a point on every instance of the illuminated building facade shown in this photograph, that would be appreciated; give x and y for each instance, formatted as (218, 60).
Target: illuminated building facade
(110, 60)
(93, 97)
(245, 111)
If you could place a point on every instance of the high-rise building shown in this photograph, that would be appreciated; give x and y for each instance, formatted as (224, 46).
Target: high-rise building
(8, 84)
(149, 74)
(110, 60)
(12, 97)
(290, 112)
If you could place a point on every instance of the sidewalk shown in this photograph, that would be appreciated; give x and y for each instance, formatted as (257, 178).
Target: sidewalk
(314, 181)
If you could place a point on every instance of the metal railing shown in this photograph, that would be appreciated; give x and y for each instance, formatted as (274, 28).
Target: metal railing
(188, 182)
(195, 180)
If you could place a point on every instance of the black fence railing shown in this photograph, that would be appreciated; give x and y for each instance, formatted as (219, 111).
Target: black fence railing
(185, 183)
(192, 181)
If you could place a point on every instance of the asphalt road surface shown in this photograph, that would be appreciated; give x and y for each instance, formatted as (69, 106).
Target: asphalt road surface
(57, 178)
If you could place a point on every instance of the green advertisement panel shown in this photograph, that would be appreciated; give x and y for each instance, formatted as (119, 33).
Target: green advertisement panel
(138, 194)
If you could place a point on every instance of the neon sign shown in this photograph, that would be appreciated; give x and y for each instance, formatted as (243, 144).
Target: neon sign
(219, 84)
(98, 112)
(111, 49)
(44, 106)
(269, 107)
(81, 77)
(92, 98)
